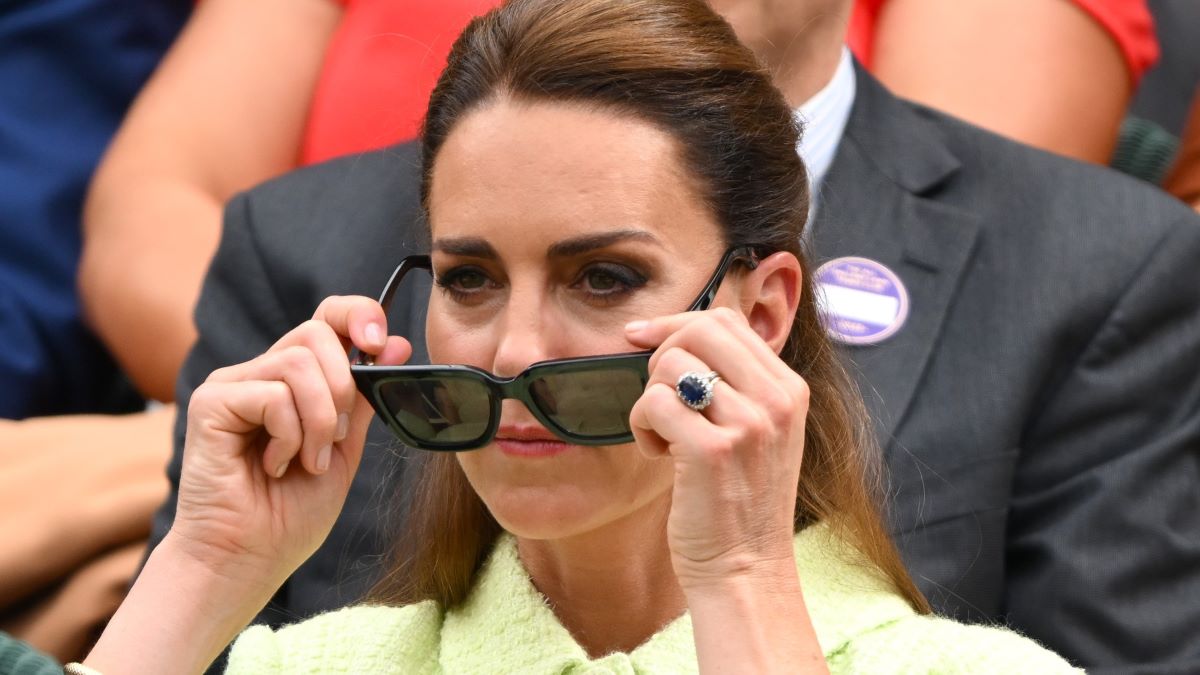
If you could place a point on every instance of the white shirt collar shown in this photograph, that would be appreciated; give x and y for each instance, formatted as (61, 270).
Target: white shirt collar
(823, 119)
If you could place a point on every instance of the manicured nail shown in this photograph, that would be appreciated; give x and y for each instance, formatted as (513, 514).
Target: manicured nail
(374, 334)
(323, 458)
(343, 426)
(282, 469)
(636, 326)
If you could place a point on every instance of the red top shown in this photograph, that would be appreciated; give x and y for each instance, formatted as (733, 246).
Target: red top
(1128, 22)
(386, 55)
(379, 70)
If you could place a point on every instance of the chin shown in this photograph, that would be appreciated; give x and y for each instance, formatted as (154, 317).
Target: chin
(542, 512)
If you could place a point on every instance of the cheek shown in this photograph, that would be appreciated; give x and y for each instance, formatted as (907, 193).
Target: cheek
(448, 341)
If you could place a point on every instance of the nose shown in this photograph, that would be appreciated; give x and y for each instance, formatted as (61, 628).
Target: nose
(524, 336)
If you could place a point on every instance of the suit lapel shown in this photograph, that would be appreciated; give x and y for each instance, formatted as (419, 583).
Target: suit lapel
(876, 203)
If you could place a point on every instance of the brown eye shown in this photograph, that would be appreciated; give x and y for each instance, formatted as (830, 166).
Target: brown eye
(464, 283)
(608, 282)
(469, 279)
(599, 280)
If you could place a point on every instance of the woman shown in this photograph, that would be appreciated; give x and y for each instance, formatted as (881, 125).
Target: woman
(592, 169)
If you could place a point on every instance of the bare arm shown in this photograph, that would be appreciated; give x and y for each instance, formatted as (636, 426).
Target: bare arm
(272, 447)
(1184, 181)
(225, 110)
(1044, 72)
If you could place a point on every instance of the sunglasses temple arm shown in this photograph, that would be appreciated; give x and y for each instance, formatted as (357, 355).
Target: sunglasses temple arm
(743, 253)
(385, 298)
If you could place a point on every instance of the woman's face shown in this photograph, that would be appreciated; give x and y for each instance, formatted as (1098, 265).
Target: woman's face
(553, 226)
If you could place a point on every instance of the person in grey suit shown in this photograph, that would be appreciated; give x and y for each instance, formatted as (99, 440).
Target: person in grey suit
(1037, 399)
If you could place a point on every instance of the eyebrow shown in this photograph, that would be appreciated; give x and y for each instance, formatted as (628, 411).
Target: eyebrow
(591, 242)
(468, 247)
(476, 247)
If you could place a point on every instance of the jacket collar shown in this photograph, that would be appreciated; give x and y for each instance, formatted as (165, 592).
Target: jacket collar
(882, 201)
(898, 138)
(506, 623)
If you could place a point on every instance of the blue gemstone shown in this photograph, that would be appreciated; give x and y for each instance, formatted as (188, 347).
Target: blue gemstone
(692, 390)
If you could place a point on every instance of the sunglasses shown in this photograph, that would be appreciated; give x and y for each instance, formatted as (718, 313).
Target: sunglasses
(584, 400)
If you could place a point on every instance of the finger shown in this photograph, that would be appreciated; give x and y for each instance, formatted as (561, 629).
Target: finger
(714, 351)
(320, 338)
(660, 428)
(727, 344)
(299, 369)
(243, 408)
(396, 351)
(350, 449)
(711, 335)
(358, 318)
(729, 408)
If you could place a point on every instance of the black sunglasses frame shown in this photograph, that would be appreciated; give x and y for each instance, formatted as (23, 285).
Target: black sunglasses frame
(370, 378)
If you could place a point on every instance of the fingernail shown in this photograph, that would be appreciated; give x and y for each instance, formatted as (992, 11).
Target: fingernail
(282, 469)
(374, 334)
(636, 326)
(343, 426)
(323, 458)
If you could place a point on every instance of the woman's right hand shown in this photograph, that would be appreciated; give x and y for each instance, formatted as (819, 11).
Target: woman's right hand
(273, 444)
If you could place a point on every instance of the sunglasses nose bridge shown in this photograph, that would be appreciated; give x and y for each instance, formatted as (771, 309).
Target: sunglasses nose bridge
(519, 389)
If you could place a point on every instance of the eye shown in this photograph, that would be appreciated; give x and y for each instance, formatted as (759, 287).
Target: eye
(463, 283)
(608, 280)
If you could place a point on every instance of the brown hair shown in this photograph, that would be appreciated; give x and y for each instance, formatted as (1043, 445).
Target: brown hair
(678, 65)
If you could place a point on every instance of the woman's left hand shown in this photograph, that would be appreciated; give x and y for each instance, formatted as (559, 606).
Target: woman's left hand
(737, 462)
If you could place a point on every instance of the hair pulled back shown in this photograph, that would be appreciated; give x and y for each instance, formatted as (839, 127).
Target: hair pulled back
(677, 65)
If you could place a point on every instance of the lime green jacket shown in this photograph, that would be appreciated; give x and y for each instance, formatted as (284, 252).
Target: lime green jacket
(505, 626)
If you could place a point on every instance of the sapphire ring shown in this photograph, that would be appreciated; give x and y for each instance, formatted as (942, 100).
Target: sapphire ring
(696, 389)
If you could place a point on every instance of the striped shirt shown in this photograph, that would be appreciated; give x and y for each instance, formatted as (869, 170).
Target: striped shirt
(823, 119)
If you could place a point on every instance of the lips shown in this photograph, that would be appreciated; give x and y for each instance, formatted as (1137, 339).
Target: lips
(529, 441)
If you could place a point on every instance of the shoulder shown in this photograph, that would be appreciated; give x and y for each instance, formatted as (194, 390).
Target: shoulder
(334, 228)
(352, 173)
(1065, 237)
(372, 188)
(922, 644)
(356, 639)
(938, 157)
(865, 626)
(1012, 181)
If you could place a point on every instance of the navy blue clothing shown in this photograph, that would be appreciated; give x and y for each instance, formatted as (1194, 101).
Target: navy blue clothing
(68, 71)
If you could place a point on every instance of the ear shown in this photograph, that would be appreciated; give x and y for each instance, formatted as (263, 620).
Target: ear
(769, 295)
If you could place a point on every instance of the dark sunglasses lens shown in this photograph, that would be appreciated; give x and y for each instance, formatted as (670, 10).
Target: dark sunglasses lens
(592, 403)
(439, 411)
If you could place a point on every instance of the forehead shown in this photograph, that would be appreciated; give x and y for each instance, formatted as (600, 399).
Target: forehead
(517, 167)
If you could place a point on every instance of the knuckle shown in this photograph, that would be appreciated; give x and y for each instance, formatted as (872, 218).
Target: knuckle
(717, 446)
(756, 425)
(801, 393)
(674, 360)
(236, 372)
(778, 406)
(344, 391)
(726, 316)
(279, 394)
(311, 327)
(319, 427)
(204, 396)
(326, 305)
(297, 358)
(657, 394)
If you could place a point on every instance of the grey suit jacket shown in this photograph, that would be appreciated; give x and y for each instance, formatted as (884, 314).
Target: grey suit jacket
(1039, 411)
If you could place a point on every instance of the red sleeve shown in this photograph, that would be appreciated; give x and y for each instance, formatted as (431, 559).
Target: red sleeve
(1127, 21)
(379, 70)
(860, 35)
(1131, 27)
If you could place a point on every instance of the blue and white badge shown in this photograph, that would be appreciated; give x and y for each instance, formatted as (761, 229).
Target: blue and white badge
(863, 302)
